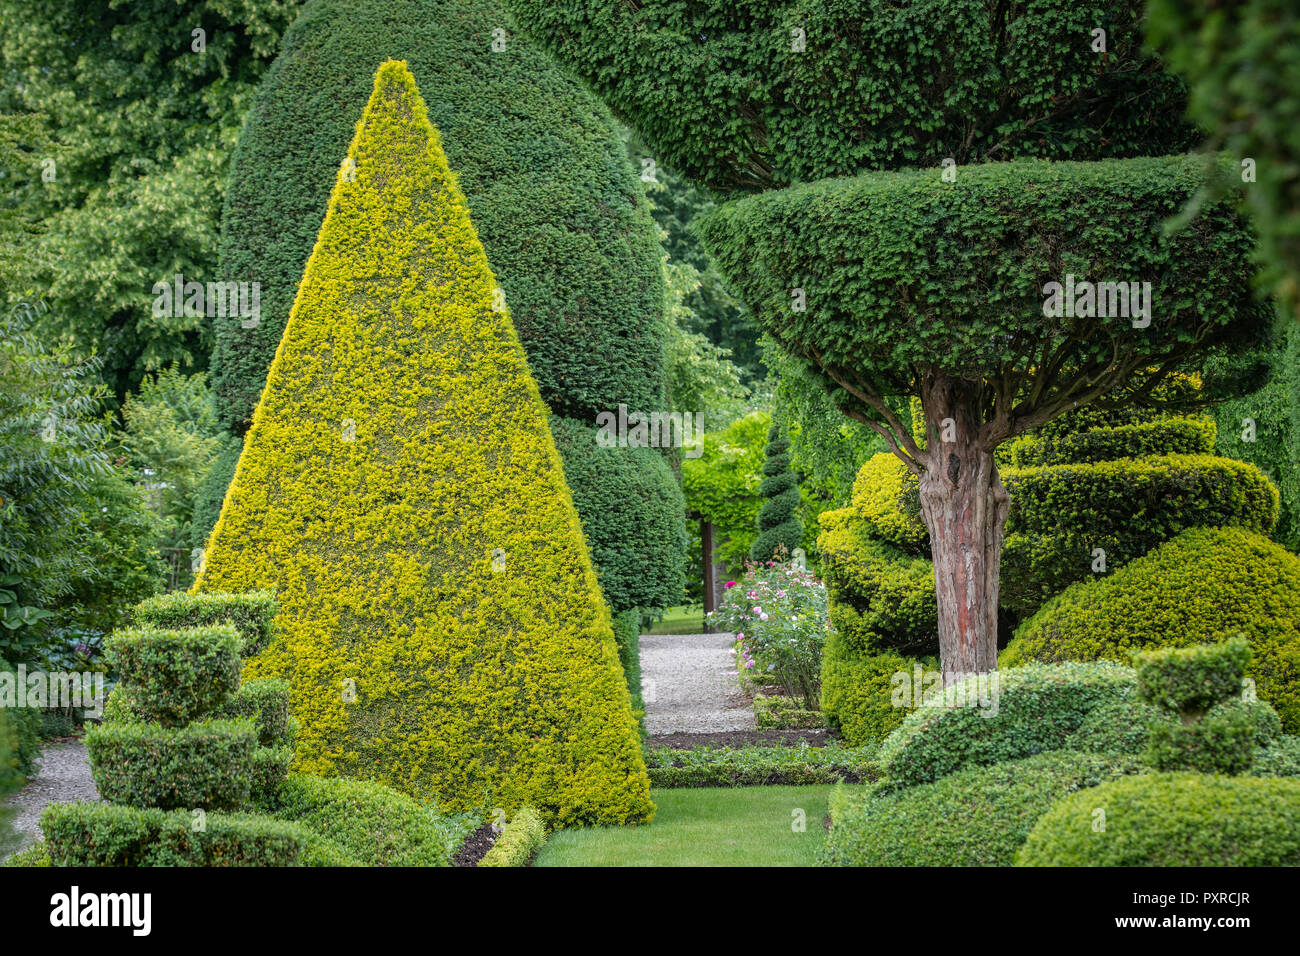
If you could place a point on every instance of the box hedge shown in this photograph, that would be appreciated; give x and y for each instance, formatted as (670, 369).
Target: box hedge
(441, 624)
(1171, 820)
(102, 834)
(519, 841)
(206, 764)
(251, 613)
(176, 675)
(1206, 585)
(977, 817)
(1035, 709)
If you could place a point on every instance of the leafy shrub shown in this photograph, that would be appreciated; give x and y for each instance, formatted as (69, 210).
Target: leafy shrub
(1161, 436)
(760, 766)
(1035, 709)
(977, 817)
(252, 614)
(954, 78)
(519, 841)
(1206, 585)
(448, 636)
(777, 610)
(206, 764)
(373, 824)
(1219, 742)
(102, 834)
(858, 691)
(1117, 727)
(23, 737)
(269, 768)
(1281, 758)
(1126, 507)
(36, 855)
(632, 513)
(266, 703)
(1172, 820)
(785, 713)
(1191, 680)
(176, 675)
(887, 496)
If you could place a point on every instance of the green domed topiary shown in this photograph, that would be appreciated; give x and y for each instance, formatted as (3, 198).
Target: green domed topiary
(1206, 585)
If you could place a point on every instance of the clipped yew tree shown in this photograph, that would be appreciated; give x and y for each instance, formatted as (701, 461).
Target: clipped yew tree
(441, 623)
(904, 182)
(555, 202)
(779, 529)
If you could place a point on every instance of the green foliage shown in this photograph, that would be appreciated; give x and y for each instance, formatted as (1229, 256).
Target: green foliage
(1060, 515)
(858, 691)
(1172, 820)
(251, 613)
(1161, 436)
(701, 376)
(1264, 428)
(1281, 758)
(141, 128)
(205, 764)
(100, 834)
(1240, 65)
(779, 530)
(441, 622)
(211, 491)
(632, 516)
(542, 168)
(977, 817)
(519, 841)
(887, 497)
(169, 438)
(722, 486)
(36, 855)
(876, 255)
(1219, 742)
(731, 96)
(1117, 727)
(1205, 586)
(373, 824)
(760, 766)
(1191, 680)
(266, 703)
(627, 637)
(76, 541)
(776, 712)
(176, 675)
(1004, 715)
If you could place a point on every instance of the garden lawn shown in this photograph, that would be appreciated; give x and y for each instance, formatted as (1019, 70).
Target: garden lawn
(685, 619)
(715, 826)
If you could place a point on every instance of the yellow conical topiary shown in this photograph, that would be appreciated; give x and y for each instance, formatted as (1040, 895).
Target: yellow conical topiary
(440, 619)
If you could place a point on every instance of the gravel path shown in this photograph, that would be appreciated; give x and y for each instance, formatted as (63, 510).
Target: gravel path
(689, 685)
(62, 775)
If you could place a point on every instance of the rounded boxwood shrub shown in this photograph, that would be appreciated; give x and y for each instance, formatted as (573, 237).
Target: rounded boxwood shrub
(887, 496)
(1035, 709)
(370, 823)
(176, 675)
(205, 764)
(977, 817)
(1206, 585)
(1172, 820)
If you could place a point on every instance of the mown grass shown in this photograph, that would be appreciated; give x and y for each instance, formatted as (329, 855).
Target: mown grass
(686, 619)
(716, 826)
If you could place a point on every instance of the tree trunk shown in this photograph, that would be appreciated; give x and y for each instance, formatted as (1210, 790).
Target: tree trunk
(965, 507)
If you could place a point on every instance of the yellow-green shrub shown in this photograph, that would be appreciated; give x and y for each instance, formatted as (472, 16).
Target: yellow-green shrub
(440, 623)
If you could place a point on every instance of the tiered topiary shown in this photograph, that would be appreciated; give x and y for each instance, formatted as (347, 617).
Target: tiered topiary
(779, 529)
(184, 748)
(441, 623)
(555, 203)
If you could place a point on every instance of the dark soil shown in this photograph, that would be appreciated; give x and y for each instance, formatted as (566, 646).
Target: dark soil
(744, 738)
(475, 846)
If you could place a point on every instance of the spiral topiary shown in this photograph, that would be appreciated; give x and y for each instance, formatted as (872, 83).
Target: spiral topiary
(777, 525)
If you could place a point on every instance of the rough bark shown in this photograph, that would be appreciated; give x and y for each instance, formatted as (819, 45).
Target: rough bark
(965, 506)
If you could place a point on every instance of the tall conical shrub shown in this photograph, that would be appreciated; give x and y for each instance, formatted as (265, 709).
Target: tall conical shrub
(400, 490)
(778, 527)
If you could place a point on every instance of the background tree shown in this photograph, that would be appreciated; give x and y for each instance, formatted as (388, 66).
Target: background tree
(927, 284)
